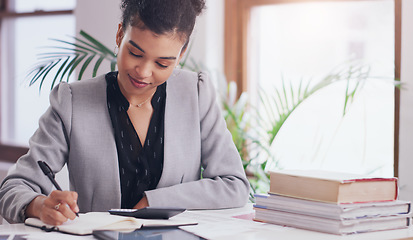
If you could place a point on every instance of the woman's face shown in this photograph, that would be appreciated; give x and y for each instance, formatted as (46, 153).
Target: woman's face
(145, 60)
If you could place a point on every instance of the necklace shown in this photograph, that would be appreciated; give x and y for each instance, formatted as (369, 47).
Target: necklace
(140, 104)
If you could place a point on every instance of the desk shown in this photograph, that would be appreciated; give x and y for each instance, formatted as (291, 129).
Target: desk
(222, 225)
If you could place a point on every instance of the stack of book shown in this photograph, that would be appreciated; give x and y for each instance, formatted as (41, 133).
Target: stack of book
(332, 202)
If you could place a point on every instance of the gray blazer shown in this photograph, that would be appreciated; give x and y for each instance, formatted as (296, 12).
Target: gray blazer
(76, 130)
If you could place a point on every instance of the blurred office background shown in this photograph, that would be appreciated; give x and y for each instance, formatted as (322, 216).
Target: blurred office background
(257, 44)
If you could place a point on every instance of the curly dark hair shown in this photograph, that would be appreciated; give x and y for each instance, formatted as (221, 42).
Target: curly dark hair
(163, 16)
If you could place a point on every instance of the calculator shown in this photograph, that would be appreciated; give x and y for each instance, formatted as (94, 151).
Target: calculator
(148, 212)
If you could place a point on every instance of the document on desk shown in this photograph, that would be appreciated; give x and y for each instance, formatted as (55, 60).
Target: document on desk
(225, 224)
(86, 223)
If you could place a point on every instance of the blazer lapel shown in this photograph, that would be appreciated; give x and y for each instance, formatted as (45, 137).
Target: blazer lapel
(182, 135)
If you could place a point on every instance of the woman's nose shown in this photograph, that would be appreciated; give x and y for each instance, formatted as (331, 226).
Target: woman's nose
(144, 69)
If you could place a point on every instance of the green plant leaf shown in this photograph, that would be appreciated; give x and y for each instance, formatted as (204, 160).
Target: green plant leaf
(285, 95)
(68, 56)
(97, 65)
(100, 46)
(68, 67)
(40, 70)
(49, 68)
(77, 47)
(73, 67)
(85, 64)
(58, 71)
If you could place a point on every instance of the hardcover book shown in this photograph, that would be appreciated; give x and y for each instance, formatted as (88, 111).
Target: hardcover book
(346, 211)
(333, 186)
(340, 227)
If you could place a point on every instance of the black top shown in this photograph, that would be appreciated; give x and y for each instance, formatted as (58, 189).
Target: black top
(140, 167)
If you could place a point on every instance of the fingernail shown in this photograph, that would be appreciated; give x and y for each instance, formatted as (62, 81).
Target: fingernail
(76, 209)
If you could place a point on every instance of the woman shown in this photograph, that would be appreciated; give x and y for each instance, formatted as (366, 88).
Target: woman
(133, 138)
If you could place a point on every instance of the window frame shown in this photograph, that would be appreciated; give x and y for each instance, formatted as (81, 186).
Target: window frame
(236, 38)
(10, 153)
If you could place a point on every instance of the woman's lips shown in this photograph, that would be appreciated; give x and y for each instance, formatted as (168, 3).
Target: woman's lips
(137, 83)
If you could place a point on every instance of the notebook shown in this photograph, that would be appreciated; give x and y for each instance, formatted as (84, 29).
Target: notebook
(87, 222)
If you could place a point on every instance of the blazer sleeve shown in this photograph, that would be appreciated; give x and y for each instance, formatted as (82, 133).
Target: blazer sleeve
(25, 180)
(223, 183)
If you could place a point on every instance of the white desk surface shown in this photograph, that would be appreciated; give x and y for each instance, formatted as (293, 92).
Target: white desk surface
(221, 224)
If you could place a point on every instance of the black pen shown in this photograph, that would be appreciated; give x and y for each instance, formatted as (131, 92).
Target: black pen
(49, 173)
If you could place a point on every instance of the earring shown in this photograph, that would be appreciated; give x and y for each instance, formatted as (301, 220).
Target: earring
(116, 51)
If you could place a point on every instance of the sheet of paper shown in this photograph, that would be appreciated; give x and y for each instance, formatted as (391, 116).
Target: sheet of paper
(213, 225)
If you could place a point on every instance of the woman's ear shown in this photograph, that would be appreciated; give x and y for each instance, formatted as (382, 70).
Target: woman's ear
(181, 55)
(119, 34)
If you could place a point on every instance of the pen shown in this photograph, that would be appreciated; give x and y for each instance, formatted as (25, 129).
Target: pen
(49, 173)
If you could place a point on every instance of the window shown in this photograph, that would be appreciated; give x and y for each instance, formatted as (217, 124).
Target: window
(27, 25)
(305, 40)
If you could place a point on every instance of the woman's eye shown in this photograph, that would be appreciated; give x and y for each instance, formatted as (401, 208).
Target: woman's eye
(135, 55)
(161, 65)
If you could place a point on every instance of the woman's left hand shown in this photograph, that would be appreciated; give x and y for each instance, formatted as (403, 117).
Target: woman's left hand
(142, 203)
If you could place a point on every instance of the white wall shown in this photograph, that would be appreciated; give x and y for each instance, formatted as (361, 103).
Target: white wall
(208, 37)
(406, 104)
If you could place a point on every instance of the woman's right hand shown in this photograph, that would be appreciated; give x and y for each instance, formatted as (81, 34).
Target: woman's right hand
(54, 209)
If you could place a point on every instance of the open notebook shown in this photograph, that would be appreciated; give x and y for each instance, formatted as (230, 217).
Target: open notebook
(87, 222)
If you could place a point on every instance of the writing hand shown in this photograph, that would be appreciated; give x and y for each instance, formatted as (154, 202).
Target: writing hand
(54, 209)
